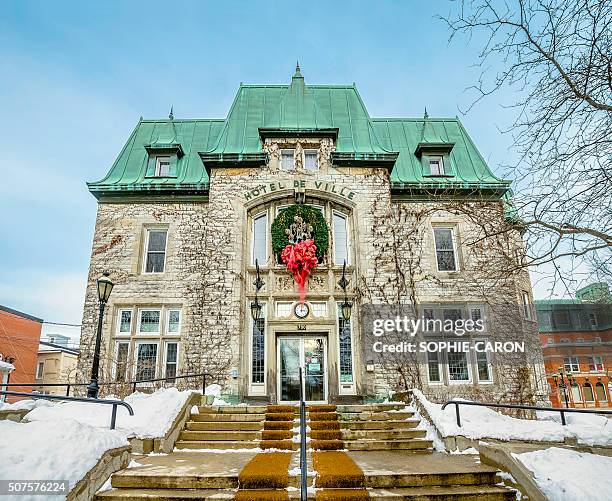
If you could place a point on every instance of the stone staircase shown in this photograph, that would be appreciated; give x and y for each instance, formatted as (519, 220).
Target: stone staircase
(383, 440)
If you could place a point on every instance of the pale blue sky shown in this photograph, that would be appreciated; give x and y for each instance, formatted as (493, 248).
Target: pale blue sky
(76, 76)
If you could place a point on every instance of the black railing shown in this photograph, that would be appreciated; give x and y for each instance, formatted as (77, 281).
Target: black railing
(303, 465)
(561, 410)
(114, 403)
(133, 384)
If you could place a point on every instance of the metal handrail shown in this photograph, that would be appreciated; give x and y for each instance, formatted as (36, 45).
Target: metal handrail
(561, 410)
(132, 383)
(303, 465)
(114, 403)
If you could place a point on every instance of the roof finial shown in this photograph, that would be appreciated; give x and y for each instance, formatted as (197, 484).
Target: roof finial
(298, 73)
(171, 115)
(425, 116)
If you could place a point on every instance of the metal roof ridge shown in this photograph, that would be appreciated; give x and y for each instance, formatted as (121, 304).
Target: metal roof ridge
(415, 119)
(162, 120)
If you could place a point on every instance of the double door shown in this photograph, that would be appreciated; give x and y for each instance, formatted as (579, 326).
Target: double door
(308, 353)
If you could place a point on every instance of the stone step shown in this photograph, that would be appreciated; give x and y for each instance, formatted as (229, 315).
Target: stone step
(209, 416)
(375, 416)
(379, 425)
(233, 409)
(394, 434)
(369, 407)
(190, 435)
(225, 425)
(165, 494)
(383, 445)
(216, 444)
(437, 493)
(388, 480)
(178, 482)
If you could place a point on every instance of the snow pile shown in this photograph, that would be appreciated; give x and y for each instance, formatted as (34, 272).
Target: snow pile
(214, 390)
(53, 451)
(482, 422)
(153, 416)
(567, 475)
(25, 404)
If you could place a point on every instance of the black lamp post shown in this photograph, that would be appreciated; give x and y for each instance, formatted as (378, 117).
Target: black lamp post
(562, 380)
(105, 287)
(346, 305)
(256, 305)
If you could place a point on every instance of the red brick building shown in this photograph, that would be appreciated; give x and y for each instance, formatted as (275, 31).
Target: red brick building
(19, 341)
(576, 335)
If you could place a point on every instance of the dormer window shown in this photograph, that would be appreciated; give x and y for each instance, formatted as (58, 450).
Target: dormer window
(162, 166)
(436, 166)
(310, 160)
(287, 160)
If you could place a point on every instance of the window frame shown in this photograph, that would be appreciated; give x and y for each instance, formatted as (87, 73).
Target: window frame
(453, 231)
(148, 231)
(441, 371)
(489, 364)
(470, 378)
(255, 217)
(40, 370)
(283, 152)
(167, 323)
(137, 344)
(258, 389)
(526, 305)
(571, 364)
(440, 161)
(158, 162)
(118, 331)
(116, 361)
(140, 333)
(165, 361)
(588, 384)
(344, 385)
(591, 361)
(345, 218)
(316, 154)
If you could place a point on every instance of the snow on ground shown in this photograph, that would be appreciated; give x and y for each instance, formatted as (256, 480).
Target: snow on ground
(568, 475)
(25, 404)
(53, 451)
(154, 413)
(482, 422)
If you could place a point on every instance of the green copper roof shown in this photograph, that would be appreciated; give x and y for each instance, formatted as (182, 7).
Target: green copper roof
(297, 109)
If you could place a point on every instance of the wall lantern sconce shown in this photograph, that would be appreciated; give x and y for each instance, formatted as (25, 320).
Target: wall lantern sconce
(346, 305)
(256, 305)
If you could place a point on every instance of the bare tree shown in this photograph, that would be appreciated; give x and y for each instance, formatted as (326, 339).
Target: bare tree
(556, 58)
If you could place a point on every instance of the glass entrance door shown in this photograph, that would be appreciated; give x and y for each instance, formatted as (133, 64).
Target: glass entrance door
(309, 353)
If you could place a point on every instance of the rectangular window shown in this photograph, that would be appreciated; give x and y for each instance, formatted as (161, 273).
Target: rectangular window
(258, 351)
(476, 313)
(526, 306)
(436, 166)
(260, 239)
(319, 308)
(146, 361)
(445, 249)
(433, 367)
(458, 367)
(125, 321)
(121, 362)
(40, 370)
(310, 160)
(149, 321)
(346, 348)
(483, 366)
(171, 361)
(174, 321)
(162, 166)
(341, 253)
(287, 160)
(592, 320)
(283, 308)
(595, 364)
(571, 364)
(155, 251)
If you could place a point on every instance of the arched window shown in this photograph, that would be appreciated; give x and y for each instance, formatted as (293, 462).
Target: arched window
(600, 390)
(588, 392)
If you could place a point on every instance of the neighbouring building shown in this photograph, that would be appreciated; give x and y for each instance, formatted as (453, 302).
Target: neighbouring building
(57, 363)
(190, 207)
(19, 338)
(576, 337)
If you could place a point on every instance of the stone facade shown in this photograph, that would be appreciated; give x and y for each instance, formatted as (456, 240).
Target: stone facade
(209, 276)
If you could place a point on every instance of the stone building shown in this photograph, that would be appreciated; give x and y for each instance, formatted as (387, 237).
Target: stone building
(186, 212)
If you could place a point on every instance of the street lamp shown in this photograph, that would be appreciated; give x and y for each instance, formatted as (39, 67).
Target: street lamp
(105, 287)
(562, 380)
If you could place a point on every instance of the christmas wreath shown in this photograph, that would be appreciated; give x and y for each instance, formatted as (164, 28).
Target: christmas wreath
(300, 235)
